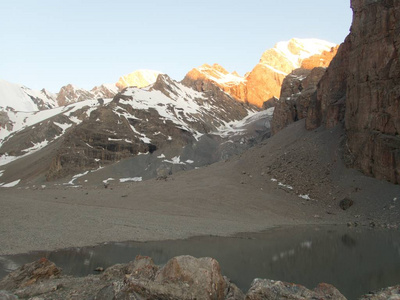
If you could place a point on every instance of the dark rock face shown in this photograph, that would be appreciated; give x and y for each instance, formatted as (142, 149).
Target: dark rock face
(298, 90)
(270, 289)
(361, 89)
(373, 92)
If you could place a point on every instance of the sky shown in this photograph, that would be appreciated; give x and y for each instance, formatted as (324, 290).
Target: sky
(85, 42)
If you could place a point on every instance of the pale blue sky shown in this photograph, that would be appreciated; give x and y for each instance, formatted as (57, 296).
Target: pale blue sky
(85, 42)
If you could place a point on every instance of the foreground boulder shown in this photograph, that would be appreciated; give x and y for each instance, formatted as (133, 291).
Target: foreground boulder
(392, 293)
(270, 289)
(29, 274)
(183, 277)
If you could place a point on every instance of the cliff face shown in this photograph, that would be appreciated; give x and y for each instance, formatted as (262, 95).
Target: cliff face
(298, 90)
(362, 88)
(373, 89)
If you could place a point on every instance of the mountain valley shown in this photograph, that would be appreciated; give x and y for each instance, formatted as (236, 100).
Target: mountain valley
(309, 136)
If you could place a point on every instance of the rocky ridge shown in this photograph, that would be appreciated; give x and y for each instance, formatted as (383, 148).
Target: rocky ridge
(168, 119)
(265, 80)
(183, 277)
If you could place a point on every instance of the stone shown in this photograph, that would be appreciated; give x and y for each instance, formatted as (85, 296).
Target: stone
(346, 203)
(391, 293)
(4, 295)
(142, 267)
(184, 277)
(269, 289)
(29, 274)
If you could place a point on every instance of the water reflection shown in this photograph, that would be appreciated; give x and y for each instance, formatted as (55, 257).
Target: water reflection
(355, 260)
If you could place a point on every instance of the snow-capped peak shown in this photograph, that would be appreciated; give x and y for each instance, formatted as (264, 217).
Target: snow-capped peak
(138, 78)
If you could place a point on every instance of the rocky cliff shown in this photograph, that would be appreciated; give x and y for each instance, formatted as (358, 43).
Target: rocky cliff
(298, 90)
(70, 94)
(265, 80)
(361, 89)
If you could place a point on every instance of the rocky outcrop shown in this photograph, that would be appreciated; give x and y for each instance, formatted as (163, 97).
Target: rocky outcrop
(361, 89)
(105, 91)
(138, 78)
(181, 278)
(70, 94)
(320, 60)
(29, 274)
(383, 294)
(265, 80)
(298, 90)
(270, 289)
(203, 77)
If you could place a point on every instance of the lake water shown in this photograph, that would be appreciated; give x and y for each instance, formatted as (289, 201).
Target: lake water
(355, 260)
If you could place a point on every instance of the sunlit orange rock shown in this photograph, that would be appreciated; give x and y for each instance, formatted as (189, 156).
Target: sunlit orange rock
(265, 80)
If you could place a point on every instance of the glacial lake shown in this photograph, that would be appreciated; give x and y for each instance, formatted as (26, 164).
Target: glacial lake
(356, 260)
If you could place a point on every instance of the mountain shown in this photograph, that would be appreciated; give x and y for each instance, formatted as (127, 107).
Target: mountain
(139, 78)
(155, 131)
(70, 94)
(20, 98)
(265, 80)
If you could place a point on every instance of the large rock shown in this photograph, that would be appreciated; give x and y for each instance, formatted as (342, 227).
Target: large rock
(361, 88)
(264, 289)
(184, 277)
(30, 273)
(392, 293)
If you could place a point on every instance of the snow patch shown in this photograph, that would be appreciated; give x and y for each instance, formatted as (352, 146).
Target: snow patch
(175, 161)
(306, 197)
(106, 181)
(75, 177)
(11, 184)
(135, 179)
